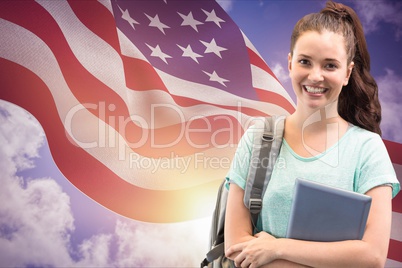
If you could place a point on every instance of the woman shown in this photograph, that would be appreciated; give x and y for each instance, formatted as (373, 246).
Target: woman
(333, 137)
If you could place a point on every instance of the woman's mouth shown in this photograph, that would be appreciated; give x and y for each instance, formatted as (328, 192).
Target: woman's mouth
(315, 90)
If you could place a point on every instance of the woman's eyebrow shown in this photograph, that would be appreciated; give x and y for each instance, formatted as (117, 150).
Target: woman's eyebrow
(304, 56)
(310, 57)
(332, 60)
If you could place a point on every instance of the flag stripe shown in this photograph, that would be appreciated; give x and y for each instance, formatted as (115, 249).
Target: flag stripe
(256, 60)
(397, 203)
(105, 28)
(394, 151)
(395, 249)
(396, 233)
(275, 98)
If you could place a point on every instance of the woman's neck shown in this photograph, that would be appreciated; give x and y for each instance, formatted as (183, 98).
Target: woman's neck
(316, 118)
(310, 133)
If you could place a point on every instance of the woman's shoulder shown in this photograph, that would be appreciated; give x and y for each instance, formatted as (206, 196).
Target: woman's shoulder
(361, 135)
(364, 142)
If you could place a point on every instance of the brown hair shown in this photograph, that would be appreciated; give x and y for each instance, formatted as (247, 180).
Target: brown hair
(358, 101)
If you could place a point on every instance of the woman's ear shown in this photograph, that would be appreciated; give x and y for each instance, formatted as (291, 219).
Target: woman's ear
(289, 61)
(349, 73)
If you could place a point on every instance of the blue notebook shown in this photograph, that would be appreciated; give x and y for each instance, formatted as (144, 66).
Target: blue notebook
(323, 213)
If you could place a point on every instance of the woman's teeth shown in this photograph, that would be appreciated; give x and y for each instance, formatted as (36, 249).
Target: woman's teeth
(315, 90)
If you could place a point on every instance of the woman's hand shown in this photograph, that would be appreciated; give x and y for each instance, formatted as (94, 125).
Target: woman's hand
(255, 252)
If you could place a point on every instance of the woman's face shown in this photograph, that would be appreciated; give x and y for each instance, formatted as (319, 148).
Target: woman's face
(318, 68)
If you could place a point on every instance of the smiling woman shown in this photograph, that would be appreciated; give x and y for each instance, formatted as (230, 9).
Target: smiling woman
(333, 137)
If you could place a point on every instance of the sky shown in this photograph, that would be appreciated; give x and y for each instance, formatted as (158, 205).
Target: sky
(46, 221)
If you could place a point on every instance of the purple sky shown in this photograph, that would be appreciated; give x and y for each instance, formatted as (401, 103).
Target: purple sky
(53, 223)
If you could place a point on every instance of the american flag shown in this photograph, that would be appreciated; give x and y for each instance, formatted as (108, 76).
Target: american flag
(142, 102)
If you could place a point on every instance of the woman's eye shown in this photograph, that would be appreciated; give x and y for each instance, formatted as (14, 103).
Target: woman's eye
(331, 66)
(304, 62)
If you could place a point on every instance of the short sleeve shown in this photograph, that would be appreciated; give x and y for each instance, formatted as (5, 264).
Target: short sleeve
(241, 161)
(375, 167)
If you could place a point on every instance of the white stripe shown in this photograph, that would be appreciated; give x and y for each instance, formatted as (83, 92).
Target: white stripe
(392, 264)
(396, 230)
(249, 44)
(107, 4)
(95, 55)
(267, 82)
(128, 48)
(398, 171)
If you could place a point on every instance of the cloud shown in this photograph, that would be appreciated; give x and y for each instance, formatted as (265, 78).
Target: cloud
(280, 72)
(37, 222)
(35, 215)
(372, 13)
(169, 245)
(390, 94)
(20, 137)
(95, 252)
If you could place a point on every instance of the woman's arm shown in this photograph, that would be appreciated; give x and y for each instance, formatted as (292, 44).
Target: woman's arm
(371, 251)
(238, 226)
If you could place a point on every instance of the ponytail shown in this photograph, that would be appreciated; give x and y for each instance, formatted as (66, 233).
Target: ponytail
(358, 102)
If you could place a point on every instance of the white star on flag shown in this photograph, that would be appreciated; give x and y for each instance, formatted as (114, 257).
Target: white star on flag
(155, 22)
(212, 47)
(157, 52)
(188, 52)
(125, 15)
(215, 77)
(190, 21)
(211, 16)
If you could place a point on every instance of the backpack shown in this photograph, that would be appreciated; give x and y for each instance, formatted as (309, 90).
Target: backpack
(266, 145)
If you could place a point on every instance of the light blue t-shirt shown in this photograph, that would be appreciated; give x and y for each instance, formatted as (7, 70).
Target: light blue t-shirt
(358, 162)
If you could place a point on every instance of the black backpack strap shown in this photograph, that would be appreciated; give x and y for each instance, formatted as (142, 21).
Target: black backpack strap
(214, 254)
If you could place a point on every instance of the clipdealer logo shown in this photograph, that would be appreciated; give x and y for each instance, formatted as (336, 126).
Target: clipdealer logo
(112, 132)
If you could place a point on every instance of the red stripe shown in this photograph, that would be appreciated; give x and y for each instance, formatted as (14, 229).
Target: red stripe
(88, 174)
(259, 62)
(394, 151)
(98, 19)
(275, 98)
(141, 76)
(397, 204)
(395, 250)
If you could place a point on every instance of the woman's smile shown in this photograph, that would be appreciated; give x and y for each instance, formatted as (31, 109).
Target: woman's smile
(314, 90)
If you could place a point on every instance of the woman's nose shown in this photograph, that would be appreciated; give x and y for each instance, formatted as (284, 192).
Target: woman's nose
(315, 75)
